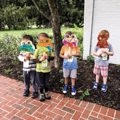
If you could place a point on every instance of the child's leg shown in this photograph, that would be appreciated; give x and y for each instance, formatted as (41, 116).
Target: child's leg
(33, 81)
(26, 82)
(66, 81)
(105, 80)
(46, 82)
(34, 85)
(40, 84)
(73, 76)
(104, 73)
(96, 71)
(66, 74)
(97, 78)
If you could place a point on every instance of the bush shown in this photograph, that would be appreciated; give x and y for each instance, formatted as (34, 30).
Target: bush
(8, 50)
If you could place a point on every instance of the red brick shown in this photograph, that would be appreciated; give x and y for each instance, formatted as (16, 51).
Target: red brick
(58, 111)
(61, 104)
(80, 109)
(85, 114)
(97, 108)
(68, 116)
(94, 114)
(39, 115)
(93, 118)
(22, 112)
(7, 108)
(16, 118)
(58, 117)
(60, 97)
(90, 106)
(77, 102)
(11, 114)
(111, 112)
(117, 115)
(37, 103)
(17, 106)
(76, 116)
(49, 113)
(69, 110)
(28, 117)
(32, 110)
(42, 108)
(48, 118)
(51, 106)
(83, 104)
(103, 117)
(103, 110)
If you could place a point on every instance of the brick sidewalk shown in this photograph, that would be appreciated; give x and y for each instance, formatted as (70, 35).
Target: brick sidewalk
(13, 106)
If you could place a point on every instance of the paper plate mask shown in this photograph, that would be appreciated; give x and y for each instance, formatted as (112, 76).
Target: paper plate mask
(70, 40)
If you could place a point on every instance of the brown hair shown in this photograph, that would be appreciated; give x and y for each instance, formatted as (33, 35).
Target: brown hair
(43, 35)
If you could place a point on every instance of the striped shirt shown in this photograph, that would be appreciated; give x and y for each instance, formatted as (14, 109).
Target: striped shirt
(28, 65)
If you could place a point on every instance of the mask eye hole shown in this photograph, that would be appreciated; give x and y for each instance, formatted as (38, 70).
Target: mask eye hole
(46, 41)
(73, 36)
(28, 42)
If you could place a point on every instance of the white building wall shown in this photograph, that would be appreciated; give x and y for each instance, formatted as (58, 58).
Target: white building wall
(106, 15)
(88, 10)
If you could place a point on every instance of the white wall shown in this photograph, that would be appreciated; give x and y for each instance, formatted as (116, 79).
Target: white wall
(106, 16)
(88, 10)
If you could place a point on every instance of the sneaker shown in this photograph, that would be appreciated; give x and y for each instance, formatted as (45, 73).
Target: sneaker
(73, 91)
(26, 93)
(34, 95)
(47, 96)
(104, 88)
(65, 89)
(42, 97)
(95, 86)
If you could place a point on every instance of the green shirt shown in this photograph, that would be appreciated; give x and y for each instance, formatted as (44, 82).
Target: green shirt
(44, 66)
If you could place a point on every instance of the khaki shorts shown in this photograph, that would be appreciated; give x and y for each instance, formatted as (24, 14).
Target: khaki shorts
(69, 73)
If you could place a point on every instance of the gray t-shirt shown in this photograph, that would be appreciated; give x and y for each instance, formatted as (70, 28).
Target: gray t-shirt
(99, 61)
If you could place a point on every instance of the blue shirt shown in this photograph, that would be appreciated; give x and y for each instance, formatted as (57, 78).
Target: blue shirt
(70, 65)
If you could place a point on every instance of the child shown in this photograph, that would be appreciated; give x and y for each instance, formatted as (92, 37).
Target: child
(43, 54)
(102, 52)
(26, 52)
(69, 53)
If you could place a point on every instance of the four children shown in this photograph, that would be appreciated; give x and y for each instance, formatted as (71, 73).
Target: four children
(36, 63)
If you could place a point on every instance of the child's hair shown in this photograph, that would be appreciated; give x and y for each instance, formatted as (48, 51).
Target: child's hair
(69, 33)
(28, 37)
(102, 39)
(43, 35)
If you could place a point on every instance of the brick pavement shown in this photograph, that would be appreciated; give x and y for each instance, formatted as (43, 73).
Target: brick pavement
(13, 106)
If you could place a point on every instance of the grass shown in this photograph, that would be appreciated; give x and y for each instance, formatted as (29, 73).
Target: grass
(18, 33)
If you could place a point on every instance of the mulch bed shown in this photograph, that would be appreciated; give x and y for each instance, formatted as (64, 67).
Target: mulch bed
(84, 82)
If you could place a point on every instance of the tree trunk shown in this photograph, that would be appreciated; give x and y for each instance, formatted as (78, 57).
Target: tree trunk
(55, 21)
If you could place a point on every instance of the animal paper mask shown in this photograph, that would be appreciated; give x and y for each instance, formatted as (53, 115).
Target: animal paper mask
(26, 47)
(45, 42)
(70, 39)
(103, 39)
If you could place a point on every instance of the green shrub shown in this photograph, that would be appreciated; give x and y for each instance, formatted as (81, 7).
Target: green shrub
(8, 48)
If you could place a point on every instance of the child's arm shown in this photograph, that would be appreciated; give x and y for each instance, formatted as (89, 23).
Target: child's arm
(35, 57)
(110, 53)
(62, 53)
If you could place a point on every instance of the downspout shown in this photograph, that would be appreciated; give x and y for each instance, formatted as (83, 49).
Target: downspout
(90, 50)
